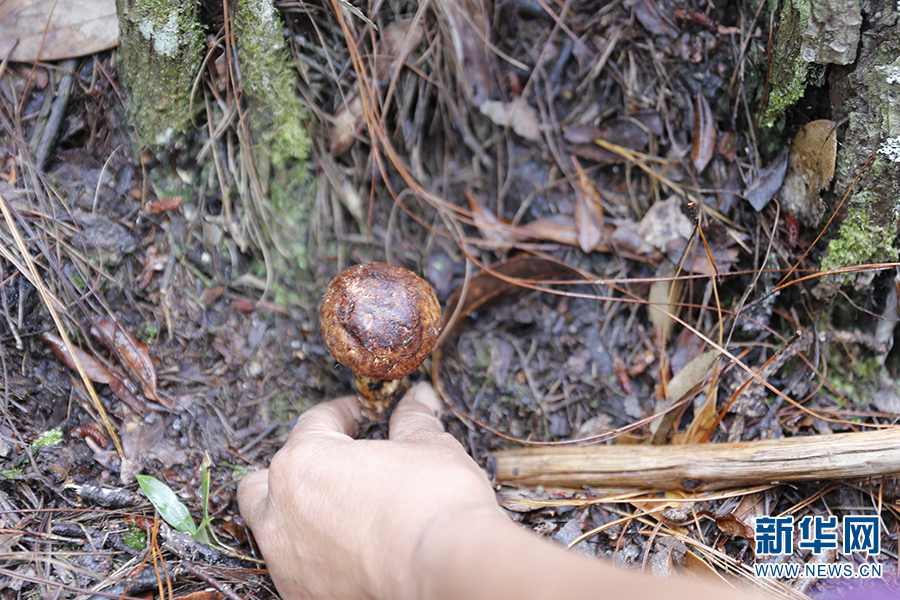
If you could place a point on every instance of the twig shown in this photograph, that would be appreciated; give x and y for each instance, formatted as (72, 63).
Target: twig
(54, 122)
(703, 467)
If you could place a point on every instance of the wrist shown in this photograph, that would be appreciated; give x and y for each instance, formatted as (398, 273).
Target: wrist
(451, 551)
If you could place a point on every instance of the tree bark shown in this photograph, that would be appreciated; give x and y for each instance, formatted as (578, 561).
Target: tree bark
(160, 53)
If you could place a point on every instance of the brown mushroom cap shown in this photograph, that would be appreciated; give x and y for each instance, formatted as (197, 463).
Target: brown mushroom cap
(380, 320)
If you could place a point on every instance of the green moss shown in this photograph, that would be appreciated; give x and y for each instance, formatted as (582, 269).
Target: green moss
(788, 70)
(276, 113)
(857, 378)
(51, 437)
(281, 146)
(860, 240)
(147, 332)
(136, 538)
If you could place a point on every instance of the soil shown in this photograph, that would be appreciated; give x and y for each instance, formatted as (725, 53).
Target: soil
(504, 135)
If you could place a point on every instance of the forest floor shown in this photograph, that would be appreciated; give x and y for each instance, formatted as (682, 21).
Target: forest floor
(598, 154)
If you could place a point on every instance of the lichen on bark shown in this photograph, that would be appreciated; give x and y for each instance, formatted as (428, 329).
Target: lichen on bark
(160, 52)
(861, 239)
(868, 95)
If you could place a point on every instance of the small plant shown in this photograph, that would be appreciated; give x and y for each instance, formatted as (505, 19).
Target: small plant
(173, 510)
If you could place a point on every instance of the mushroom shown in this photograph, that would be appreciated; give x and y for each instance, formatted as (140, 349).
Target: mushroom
(381, 321)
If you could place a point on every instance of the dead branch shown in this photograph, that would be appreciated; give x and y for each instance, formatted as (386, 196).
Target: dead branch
(706, 466)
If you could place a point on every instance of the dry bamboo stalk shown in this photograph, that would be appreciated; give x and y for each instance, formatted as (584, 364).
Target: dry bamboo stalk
(705, 466)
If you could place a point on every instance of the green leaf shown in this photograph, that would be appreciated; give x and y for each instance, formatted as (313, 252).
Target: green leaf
(170, 508)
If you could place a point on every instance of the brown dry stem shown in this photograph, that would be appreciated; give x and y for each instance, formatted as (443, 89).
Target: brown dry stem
(702, 467)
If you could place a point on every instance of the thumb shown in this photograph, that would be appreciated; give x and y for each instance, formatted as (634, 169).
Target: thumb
(417, 413)
(253, 496)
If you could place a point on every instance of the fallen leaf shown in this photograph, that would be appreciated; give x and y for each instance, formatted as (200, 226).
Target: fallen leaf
(652, 18)
(517, 115)
(706, 417)
(704, 143)
(626, 238)
(733, 527)
(489, 225)
(485, 286)
(467, 23)
(809, 171)
(132, 354)
(665, 223)
(687, 381)
(93, 368)
(693, 373)
(632, 132)
(767, 182)
(661, 296)
(669, 560)
(555, 228)
(144, 439)
(728, 145)
(73, 28)
(588, 211)
(345, 124)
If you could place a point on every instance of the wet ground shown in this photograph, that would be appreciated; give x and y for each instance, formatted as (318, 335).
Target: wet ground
(200, 367)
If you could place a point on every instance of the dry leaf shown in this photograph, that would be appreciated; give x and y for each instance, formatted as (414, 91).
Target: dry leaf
(345, 124)
(652, 18)
(665, 223)
(555, 228)
(669, 560)
(686, 381)
(626, 238)
(660, 293)
(485, 287)
(767, 182)
(75, 28)
(588, 211)
(632, 132)
(728, 145)
(705, 417)
(704, 134)
(517, 115)
(733, 527)
(93, 368)
(490, 226)
(809, 171)
(467, 22)
(131, 354)
(693, 373)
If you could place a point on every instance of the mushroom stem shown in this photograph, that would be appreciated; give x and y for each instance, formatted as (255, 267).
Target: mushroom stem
(377, 396)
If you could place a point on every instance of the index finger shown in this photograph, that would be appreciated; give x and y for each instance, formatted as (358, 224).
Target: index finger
(340, 416)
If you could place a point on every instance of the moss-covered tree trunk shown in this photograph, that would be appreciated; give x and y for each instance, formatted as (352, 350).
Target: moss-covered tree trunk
(867, 94)
(160, 52)
(854, 47)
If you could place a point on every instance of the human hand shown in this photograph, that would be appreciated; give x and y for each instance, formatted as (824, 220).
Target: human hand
(336, 517)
